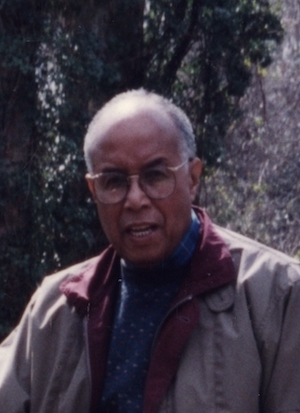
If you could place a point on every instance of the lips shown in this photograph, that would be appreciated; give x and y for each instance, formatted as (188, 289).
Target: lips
(140, 231)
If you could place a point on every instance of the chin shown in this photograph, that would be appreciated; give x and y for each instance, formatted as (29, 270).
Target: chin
(147, 262)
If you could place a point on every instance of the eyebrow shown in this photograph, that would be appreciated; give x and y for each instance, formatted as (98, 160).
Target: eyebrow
(112, 170)
(150, 164)
(155, 162)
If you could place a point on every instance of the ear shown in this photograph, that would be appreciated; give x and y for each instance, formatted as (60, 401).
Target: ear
(195, 174)
(90, 183)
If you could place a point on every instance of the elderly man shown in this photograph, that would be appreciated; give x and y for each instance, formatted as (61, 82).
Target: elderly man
(177, 315)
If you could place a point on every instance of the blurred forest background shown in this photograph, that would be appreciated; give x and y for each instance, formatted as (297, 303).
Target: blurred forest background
(232, 65)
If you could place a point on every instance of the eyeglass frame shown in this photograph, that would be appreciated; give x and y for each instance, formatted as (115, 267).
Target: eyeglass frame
(129, 177)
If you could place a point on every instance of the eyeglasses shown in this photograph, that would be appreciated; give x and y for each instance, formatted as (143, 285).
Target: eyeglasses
(157, 182)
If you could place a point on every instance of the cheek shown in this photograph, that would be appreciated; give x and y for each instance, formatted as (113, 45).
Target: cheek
(109, 220)
(178, 215)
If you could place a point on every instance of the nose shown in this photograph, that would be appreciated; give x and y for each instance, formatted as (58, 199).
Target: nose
(136, 197)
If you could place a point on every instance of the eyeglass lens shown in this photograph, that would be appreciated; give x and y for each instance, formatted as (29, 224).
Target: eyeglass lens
(157, 183)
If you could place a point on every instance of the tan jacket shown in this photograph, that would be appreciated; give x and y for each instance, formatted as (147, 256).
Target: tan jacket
(242, 357)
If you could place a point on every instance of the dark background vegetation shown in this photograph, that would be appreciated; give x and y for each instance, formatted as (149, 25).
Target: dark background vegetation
(61, 60)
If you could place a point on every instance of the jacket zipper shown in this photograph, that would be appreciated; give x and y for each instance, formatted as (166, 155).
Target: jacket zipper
(177, 305)
(86, 341)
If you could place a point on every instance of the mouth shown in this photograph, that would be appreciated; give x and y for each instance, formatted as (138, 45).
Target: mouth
(141, 231)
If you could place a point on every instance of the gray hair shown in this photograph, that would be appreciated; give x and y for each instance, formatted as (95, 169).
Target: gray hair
(179, 118)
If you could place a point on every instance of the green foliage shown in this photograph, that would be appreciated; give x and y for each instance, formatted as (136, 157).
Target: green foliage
(59, 62)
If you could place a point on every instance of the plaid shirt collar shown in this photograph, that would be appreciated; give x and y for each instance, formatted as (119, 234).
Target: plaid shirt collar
(183, 253)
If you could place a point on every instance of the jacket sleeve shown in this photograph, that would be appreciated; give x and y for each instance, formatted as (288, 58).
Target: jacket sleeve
(15, 362)
(44, 364)
(280, 349)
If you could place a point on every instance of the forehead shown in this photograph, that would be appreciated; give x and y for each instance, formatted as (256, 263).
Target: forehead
(129, 110)
(134, 135)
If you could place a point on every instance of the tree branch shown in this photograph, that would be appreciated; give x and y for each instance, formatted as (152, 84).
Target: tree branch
(181, 48)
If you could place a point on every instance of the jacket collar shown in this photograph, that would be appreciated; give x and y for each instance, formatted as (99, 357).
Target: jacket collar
(211, 267)
(87, 289)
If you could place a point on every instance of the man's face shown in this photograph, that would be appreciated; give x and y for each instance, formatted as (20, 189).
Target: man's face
(144, 231)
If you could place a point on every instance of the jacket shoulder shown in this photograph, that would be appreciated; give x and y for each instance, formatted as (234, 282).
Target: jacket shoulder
(266, 278)
(53, 281)
(251, 257)
(235, 241)
(48, 296)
